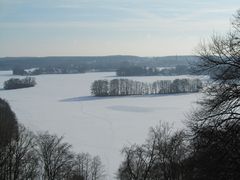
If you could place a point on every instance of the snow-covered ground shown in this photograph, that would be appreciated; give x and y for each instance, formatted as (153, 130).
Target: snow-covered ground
(62, 104)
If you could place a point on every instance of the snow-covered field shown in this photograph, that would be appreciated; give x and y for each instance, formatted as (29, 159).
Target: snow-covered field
(62, 104)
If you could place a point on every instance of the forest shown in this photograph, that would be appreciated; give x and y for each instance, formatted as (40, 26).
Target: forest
(126, 87)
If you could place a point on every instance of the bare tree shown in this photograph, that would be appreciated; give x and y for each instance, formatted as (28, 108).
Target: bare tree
(55, 156)
(88, 167)
(25, 159)
(21, 161)
(161, 157)
(137, 164)
(17, 157)
(215, 126)
(220, 58)
(97, 168)
(171, 151)
(82, 165)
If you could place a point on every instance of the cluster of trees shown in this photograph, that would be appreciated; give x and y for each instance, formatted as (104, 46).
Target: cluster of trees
(25, 155)
(125, 87)
(152, 71)
(16, 83)
(162, 157)
(208, 154)
(210, 147)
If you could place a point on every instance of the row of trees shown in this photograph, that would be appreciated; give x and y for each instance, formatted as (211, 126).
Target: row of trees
(125, 87)
(151, 71)
(210, 148)
(16, 83)
(25, 155)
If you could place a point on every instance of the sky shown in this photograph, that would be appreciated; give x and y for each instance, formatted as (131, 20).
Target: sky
(110, 27)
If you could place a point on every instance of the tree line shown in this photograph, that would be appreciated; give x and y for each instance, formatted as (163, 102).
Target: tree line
(122, 68)
(97, 63)
(16, 83)
(153, 71)
(66, 69)
(25, 155)
(125, 87)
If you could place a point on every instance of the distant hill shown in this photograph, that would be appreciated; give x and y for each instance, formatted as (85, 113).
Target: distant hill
(98, 63)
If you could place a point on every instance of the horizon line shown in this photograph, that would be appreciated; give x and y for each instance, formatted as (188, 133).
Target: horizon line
(114, 55)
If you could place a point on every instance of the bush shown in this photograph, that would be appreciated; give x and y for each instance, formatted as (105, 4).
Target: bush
(15, 83)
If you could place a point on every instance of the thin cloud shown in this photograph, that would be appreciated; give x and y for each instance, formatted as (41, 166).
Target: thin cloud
(137, 26)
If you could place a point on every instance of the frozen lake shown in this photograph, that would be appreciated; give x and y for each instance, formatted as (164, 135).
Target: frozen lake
(62, 104)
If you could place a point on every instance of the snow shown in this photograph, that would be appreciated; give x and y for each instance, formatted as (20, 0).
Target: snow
(62, 104)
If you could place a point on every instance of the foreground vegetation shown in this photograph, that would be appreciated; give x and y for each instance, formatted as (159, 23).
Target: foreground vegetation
(25, 155)
(210, 148)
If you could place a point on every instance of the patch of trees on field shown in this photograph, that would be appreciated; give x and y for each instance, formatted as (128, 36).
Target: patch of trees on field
(153, 71)
(125, 87)
(16, 83)
(25, 155)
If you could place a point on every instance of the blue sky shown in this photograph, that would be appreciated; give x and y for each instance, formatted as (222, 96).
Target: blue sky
(109, 27)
